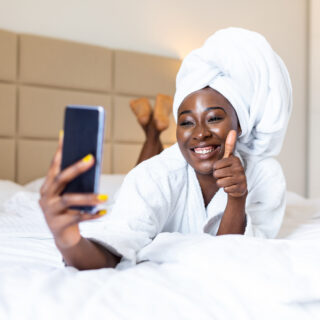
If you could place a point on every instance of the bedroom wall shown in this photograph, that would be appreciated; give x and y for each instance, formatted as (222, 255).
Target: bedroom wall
(165, 27)
(173, 28)
(314, 98)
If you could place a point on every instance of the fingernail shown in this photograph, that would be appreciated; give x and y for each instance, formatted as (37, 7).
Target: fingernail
(61, 132)
(102, 197)
(87, 158)
(102, 212)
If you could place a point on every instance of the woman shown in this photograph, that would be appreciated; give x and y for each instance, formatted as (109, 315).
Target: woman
(232, 105)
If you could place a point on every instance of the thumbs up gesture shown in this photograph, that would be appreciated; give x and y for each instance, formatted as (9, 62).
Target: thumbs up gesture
(230, 143)
(229, 171)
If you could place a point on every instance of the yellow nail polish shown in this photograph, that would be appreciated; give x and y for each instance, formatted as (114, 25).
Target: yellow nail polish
(102, 212)
(61, 133)
(102, 197)
(87, 158)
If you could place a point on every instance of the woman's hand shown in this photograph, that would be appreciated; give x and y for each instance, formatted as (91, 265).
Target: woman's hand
(229, 171)
(62, 221)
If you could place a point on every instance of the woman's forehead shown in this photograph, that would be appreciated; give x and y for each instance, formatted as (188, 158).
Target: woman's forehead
(206, 97)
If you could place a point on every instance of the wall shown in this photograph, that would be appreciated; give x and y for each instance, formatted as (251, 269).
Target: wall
(314, 98)
(164, 27)
(173, 28)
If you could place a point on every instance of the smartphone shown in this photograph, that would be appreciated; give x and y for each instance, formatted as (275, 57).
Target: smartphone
(83, 135)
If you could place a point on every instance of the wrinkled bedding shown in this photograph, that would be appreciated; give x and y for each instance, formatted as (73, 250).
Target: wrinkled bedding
(177, 276)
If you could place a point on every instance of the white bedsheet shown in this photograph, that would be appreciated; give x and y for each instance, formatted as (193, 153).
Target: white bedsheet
(183, 277)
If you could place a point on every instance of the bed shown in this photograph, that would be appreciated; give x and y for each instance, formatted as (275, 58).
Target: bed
(177, 276)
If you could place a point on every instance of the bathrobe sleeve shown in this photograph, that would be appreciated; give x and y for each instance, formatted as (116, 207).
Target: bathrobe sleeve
(266, 199)
(139, 213)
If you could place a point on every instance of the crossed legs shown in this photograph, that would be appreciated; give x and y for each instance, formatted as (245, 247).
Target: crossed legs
(153, 122)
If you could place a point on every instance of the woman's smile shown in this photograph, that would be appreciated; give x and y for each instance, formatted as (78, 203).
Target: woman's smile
(206, 152)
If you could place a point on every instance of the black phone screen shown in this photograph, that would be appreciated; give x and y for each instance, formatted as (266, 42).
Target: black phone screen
(81, 130)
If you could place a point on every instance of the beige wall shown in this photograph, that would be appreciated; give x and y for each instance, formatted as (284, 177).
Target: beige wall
(173, 28)
(314, 101)
(39, 76)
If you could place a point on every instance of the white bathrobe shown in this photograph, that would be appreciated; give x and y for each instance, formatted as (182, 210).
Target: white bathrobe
(163, 194)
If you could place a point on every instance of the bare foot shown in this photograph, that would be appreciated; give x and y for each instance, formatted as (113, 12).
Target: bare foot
(142, 109)
(162, 110)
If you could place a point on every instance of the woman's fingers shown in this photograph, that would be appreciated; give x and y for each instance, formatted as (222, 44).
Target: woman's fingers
(77, 199)
(54, 167)
(57, 161)
(74, 217)
(70, 173)
(71, 217)
(223, 173)
(230, 176)
(223, 163)
(230, 143)
(227, 167)
(227, 182)
(89, 216)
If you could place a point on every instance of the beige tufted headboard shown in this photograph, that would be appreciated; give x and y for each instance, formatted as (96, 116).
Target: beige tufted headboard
(39, 76)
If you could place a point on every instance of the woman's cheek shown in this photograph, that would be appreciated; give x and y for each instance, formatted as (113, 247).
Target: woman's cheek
(183, 135)
(221, 131)
(223, 128)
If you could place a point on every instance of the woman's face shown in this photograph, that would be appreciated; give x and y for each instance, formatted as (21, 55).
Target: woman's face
(205, 118)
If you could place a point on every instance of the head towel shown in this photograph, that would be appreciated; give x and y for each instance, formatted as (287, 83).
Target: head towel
(242, 66)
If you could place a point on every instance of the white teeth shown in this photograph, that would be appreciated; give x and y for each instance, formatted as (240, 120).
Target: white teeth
(202, 151)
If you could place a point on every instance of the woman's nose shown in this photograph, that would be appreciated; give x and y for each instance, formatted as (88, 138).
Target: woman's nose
(201, 132)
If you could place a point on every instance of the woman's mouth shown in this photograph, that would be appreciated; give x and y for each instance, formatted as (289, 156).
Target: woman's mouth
(206, 152)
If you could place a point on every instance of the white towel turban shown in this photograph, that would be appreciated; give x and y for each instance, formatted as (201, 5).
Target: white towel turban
(242, 66)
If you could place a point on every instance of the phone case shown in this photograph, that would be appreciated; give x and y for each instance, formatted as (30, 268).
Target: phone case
(83, 135)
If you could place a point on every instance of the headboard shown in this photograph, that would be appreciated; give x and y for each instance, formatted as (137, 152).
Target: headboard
(39, 76)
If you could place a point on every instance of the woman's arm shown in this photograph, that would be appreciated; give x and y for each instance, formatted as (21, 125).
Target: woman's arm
(87, 254)
(234, 218)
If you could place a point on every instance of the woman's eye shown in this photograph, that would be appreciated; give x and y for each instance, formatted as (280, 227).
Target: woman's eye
(186, 123)
(214, 119)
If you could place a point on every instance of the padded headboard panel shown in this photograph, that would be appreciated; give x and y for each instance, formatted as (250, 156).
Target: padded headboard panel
(39, 76)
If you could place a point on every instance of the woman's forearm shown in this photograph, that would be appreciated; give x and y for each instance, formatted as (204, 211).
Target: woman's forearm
(87, 254)
(234, 218)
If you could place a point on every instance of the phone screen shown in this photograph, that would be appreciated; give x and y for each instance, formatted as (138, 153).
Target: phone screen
(83, 135)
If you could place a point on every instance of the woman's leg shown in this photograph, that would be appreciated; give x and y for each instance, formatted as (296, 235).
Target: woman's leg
(152, 145)
(152, 123)
(162, 110)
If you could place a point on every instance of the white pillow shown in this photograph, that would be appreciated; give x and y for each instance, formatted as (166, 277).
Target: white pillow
(8, 189)
(302, 218)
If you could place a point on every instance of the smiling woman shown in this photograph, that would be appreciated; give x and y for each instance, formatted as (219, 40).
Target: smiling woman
(232, 105)
(205, 119)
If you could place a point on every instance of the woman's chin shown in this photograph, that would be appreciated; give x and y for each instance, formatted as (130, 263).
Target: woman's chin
(205, 170)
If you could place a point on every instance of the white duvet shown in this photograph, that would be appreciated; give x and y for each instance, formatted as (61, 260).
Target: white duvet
(178, 277)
